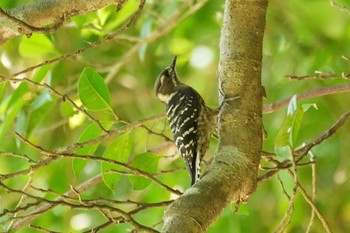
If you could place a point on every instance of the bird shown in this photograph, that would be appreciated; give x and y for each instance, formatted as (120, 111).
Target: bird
(191, 121)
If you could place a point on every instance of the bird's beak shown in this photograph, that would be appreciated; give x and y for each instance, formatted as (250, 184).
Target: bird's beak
(173, 63)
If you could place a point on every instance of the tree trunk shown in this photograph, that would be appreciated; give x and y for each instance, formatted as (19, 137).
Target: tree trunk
(232, 175)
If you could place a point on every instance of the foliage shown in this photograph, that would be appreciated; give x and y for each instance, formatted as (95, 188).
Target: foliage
(88, 116)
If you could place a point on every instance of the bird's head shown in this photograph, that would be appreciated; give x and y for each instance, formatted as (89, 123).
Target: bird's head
(167, 82)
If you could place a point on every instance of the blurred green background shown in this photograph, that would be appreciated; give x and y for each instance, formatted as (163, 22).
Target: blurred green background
(302, 37)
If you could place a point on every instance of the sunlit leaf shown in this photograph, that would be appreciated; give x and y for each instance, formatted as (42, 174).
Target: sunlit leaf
(147, 162)
(288, 133)
(11, 115)
(40, 73)
(105, 13)
(119, 150)
(66, 109)
(3, 86)
(37, 44)
(93, 91)
(127, 10)
(292, 106)
(306, 107)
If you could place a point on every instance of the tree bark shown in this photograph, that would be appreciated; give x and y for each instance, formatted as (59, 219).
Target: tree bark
(232, 175)
(32, 17)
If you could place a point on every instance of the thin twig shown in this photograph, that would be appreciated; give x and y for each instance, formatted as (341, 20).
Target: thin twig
(289, 212)
(39, 228)
(319, 76)
(110, 133)
(99, 159)
(314, 190)
(124, 214)
(330, 132)
(314, 208)
(17, 155)
(64, 97)
(269, 108)
(47, 206)
(21, 200)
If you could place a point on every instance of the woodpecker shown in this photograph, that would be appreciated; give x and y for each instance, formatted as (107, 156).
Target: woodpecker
(190, 119)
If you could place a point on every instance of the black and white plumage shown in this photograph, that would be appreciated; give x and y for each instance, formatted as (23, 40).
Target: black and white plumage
(190, 119)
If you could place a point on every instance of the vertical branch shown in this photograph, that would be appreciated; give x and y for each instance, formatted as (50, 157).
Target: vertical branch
(232, 175)
(240, 122)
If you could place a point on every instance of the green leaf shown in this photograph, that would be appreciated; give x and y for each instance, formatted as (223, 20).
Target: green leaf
(18, 94)
(42, 99)
(295, 128)
(283, 135)
(147, 162)
(92, 131)
(308, 106)
(119, 150)
(11, 116)
(292, 106)
(93, 91)
(105, 13)
(21, 123)
(284, 151)
(288, 133)
(41, 106)
(58, 74)
(127, 10)
(40, 74)
(66, 109)
(3, 86)
(36, 45)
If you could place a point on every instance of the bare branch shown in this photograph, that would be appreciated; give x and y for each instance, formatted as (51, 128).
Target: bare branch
(314, 208)
(269, 108)
(314, 190)
(90, 46)
(35, 16)
(64, 97)
(17, 155)
(330, 132)
(318, 76)
(93, 158)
